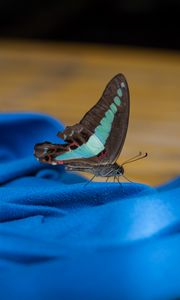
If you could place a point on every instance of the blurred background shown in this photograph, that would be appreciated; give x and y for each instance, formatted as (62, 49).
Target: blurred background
(149, 23)
(57, 56)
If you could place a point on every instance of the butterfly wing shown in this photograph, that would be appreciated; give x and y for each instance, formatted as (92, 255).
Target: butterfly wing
(105, 125)
(100, 135)
(47, 152)
(109, 118)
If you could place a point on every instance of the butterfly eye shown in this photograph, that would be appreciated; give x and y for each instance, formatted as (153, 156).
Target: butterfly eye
(46, 158)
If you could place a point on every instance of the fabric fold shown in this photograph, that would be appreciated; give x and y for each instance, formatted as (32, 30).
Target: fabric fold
(62, 239)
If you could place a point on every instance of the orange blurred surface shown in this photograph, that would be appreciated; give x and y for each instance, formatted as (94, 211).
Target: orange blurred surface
(66, 80)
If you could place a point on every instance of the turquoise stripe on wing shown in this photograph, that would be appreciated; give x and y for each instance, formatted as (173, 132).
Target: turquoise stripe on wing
(92, 148)
(102, 131)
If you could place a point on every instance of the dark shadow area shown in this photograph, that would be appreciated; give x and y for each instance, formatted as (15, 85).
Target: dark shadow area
(147, 23)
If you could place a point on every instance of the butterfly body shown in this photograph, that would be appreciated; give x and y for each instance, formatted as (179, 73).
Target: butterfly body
(94, 144)
(110, 170)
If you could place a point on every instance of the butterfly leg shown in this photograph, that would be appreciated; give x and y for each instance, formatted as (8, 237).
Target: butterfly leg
(119, 181)
(90, 180)
(127, 179)
(116, 178)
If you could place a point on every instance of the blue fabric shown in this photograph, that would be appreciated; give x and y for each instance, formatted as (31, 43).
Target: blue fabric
(60, 239)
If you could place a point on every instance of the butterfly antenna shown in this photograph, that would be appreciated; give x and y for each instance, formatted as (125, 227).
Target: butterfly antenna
(134, 157)
(137, 157)
(116, 178)
(90, 180)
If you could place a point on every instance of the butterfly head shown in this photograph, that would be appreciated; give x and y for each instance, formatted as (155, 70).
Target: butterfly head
(119, 171)
(112, 170)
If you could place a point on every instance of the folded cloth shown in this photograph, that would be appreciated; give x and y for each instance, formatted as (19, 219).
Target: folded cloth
(60, 239)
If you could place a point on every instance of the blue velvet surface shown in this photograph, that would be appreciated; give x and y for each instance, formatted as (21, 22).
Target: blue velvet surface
(60, 239)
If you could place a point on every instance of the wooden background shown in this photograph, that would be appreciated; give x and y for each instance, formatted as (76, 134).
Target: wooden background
(65, 80)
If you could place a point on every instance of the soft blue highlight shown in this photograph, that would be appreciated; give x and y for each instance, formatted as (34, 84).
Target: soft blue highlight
(45, 150)
(72, 132)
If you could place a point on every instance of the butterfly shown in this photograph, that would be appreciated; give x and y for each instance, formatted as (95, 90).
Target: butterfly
(94, 144)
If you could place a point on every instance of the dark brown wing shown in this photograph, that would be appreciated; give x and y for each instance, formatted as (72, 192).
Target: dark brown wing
(100, 135)
(116, 88)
